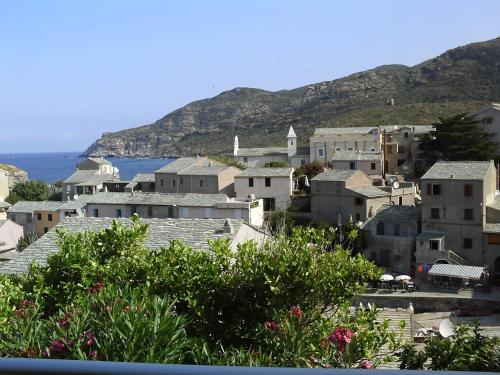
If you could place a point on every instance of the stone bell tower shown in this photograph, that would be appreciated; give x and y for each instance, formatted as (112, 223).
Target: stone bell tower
(292, 142)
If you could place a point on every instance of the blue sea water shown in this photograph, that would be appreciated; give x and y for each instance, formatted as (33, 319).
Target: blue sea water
(55, 166)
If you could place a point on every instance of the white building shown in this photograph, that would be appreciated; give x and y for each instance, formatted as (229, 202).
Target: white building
(273, 185)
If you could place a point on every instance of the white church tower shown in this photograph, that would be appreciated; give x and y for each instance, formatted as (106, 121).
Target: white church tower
(236, 146)
(292, 142)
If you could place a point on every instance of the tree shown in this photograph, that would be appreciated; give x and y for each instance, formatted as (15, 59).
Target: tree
(457, 138)
(32, 190)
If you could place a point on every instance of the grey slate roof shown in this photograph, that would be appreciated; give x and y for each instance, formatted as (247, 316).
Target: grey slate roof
(369, 191)
(203, 170)
(98, 179)
(4, 204)
(30, 206)
(100, 160)
(263, 151)
(178, 165)
(459, 170)
(456, 271)
(416, 129)
(159, 199)
(335, 175)
(196, 233)
(396, 213)
(80, 175)
(430, 235)
(266, 172)
(144, 177)
(81, 202)
(356, 155)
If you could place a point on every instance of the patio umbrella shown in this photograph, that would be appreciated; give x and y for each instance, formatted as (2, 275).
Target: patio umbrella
(386, 277)
(403, 278)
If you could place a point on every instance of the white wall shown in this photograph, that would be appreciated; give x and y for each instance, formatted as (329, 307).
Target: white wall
(281, 189)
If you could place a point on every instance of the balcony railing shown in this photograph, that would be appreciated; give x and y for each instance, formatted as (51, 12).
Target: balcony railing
(59, 366)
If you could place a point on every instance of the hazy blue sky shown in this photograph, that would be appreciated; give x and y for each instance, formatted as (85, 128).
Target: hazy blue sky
(71, 70)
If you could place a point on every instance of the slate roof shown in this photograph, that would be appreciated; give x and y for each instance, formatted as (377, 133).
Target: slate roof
(144, 177)
(456, 271)
(4, 204)
(396, 213)
(492, 228)
(335, 175)
(369, 191)
(419, 129)
(30, 206)
(100, 160)
(196, 233)
(356, 155)
(263, 151)
(266, 172)
(430, 235)
(203, 170)
(177, 165)
(458, 170)
(98, 179)
(159, 199)
(303, 151)
(80, 175)
(81, 202)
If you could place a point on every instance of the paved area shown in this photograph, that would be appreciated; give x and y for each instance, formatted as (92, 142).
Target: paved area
(490, 324)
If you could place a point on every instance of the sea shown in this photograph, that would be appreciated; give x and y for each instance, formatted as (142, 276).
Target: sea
(51, 167)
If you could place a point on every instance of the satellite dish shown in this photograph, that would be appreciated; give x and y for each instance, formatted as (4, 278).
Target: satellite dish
(75, 197)
(446, 328)
(395, 185)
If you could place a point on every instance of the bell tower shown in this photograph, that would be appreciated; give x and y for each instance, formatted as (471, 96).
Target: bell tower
(292, 142)
(236, 146)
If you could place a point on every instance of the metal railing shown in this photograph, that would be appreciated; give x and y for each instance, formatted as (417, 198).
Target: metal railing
(73, 367)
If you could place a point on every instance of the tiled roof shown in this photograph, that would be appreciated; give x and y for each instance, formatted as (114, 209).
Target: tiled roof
(266, 172)
(356, 155)
(263, 151)
(159, 199)
(459, 170)
(369, 191)
(196, 233)
(456, 271)
(335, 175)
(30, 206)
(178, 165)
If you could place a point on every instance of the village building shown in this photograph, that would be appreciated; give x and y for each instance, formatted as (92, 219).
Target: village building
(89, 178)
(36, 217)
(10, 234)
(258, 157)
(273, 185)
(368, 162)
(196, 175)
(489, 120)
(390, 237)
(144, 182)
(195, 233)
(460, 216)
(175, 205)
(342, 196)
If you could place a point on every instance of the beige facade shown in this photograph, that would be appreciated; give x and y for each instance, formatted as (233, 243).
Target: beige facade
(349, 195)
(45, 221)
(273, 185)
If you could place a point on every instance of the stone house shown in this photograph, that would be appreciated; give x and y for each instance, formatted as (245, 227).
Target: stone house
(460, 216)
(489, 120)
(340, 195)
(89, 178)
(257, 157)
(36, 217)
(175, 205)
(273, 185)
(368, 162)
(144, 182)
(196, 175)
(390, 238)
(196, 233)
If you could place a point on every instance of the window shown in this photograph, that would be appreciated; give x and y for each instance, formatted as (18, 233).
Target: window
(338, 149)
(45, 230)
(201, 183)
(133, 210)
(67, 214)
(170, 211)
(372, 149)
(291, 143)
(434, 213)
(467, 243)
(358, 201)
(39, 216)
(245, 160)
(406, 135)
(358, 217)
(268, 181)
(352, 165)
(434, 244)
(49, 216)
(397, 229)
(494, 239)
(96, 212)
(185, 212)
(207, 212)
(349, 149)
(302, 162)
(373, 166)
(321, 152)
(400, 201)
(150, 211)
(173, 183)
(468, 214)
(161, 182)
(118, 212)
(380, 228)
(487, 120)
(250, 182)
(269, 204)
(433, 189)
(468, 190)
(181, 181)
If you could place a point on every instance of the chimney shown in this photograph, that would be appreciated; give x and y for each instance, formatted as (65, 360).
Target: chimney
(228, 227)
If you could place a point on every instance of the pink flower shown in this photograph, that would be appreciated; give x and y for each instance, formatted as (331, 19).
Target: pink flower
(365, 364)
(296, 312)
(341, 337)
(89, 336)
(57, 346)
(271, 325)
(64, 322)
(93, 354)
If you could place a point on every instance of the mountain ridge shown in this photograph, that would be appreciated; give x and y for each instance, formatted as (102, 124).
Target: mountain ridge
(462, 79)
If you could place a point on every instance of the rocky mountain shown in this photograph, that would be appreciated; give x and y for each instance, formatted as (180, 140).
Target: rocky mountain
(462, 79)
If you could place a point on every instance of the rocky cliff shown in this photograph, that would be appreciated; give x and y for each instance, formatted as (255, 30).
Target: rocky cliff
(461, 79)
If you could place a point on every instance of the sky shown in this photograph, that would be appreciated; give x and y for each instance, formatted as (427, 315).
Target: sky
(72, 70)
